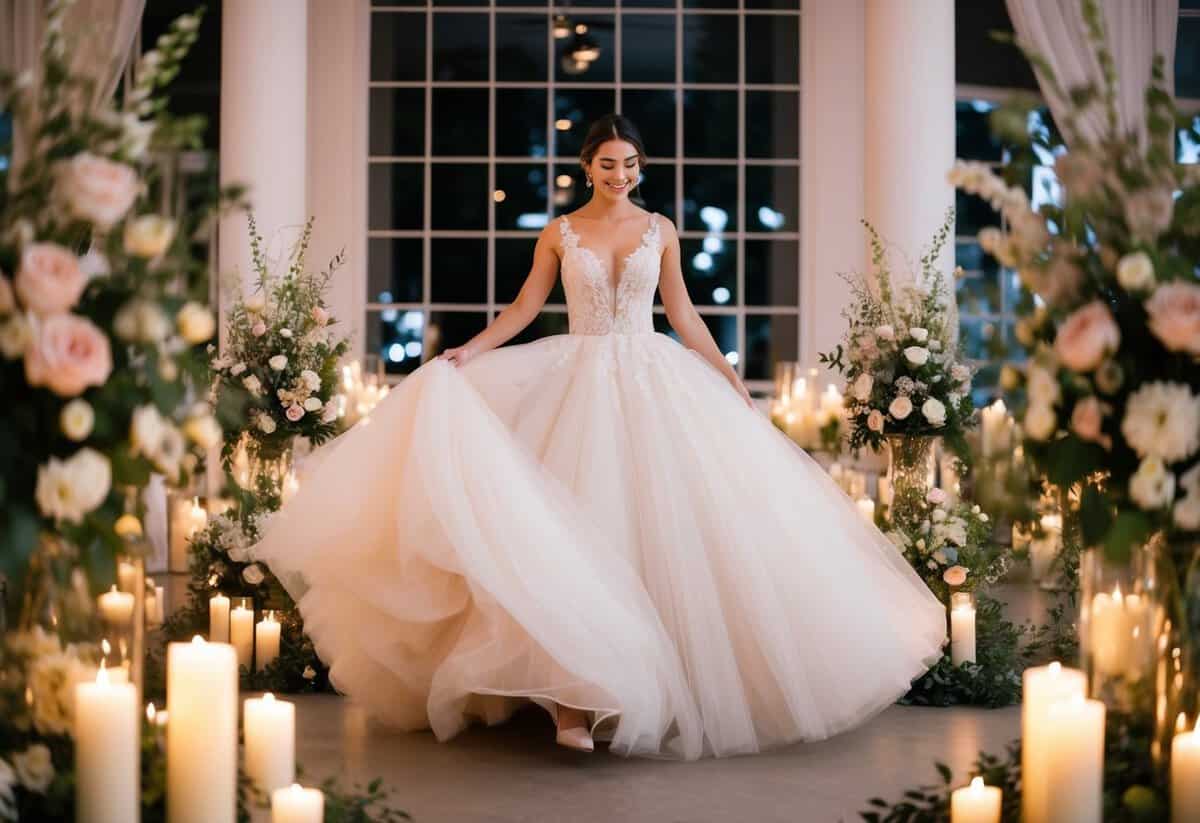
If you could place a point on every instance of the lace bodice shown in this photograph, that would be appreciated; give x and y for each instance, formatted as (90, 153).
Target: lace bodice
(593, 305)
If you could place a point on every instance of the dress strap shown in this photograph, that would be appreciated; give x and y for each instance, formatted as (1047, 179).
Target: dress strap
(570, 238)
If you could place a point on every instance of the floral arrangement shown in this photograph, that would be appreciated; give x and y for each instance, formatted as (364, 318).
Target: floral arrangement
(1110, 314)
(903, 374)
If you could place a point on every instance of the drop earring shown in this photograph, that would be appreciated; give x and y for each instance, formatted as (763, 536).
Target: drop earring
(589, 181)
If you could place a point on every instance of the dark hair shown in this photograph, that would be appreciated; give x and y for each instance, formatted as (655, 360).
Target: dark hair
(613, 127)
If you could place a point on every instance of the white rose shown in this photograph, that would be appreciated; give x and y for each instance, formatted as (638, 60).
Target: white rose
(196, 322)
(1040, 421)
(146, 431)
(97, 190)
(938, 515)
(885, 332)
(142, 321)
(917, 355)
(237, 369)
(171, 450)
(286, 333)
(960, 373)
(934, 411)
(901, 407)
(919, 334)
(1152, 486)
(1135, 272)
(278, 362)
(77, 419)
(862, 387)
(69, 489)
(312, 404)
(253, 574)
(255, 303)
(149, 235)
(34, 768)
(311, 379)
(15, 336)
(252, 384)
(203, 430)
(266, 423)
(875, 420)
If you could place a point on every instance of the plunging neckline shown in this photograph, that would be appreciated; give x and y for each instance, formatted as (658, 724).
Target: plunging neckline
(644, 243)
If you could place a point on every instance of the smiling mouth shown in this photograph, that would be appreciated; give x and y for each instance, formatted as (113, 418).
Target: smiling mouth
(618, 187)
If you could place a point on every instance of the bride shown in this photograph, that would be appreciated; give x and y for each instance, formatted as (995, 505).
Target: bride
(600, 523)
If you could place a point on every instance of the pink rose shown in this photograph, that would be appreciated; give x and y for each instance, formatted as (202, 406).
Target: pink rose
(1087, 336)
(97, 190)
(320, 316)
(295, 412)
(7, 302)
(1174, 311)
(49, 280)
(936, 496)
(67, 355)
(955, 575)
(875, 420)
(1086, 421)
(1148, 213)
(259, 329)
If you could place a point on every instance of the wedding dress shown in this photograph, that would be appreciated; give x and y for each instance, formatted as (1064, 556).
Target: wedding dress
(597, 519)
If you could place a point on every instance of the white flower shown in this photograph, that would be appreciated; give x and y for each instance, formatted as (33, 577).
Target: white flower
(885, 332)
(255, 303)
(311, 379)
(875, 420)
(237, 368)
(309, 673)
(938, 515)
(312, 404)
(917, 355)
(34, 768)
(94, 264)
(149, 235)
(940, 556)
(955, 532)
(1040, 421)
(901, 407)
(1043, 386)
(934, 411)
(960, 373)
(15, 336)
(278, 362)
(861, 388)
(1163, 420)
(1152, 486)
(919, 334)
(146, 431)
(77, 419)
(1187, 513)
(141, 321)
(286, 333)
(203, 430)
(253, 574)
(69, 489)
(252, 384)
(1135, 272)
(266, 423)
(52, 679)
(196, 322)
(171, 450)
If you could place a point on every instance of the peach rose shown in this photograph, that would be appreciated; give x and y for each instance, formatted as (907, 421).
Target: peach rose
(294, 412)
(320, 316)
(1087, 419)
(1174, 311)
(97, 190)
(67, 354)
(955, 575)
(1087, 336)
(49, 280)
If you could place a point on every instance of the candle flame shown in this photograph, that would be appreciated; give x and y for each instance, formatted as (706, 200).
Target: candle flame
(1181, 722)
(197, 639)
(114, 587)
(295, 787)
(102, 674)
(105, 646)
(150, 712)
(976, 783)
(1117, 593)
(268, 698)
(1056, 668)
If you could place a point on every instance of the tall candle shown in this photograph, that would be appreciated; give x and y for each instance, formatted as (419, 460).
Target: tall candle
(202, 735)
(962, 633)
(976, 803)
(866, 507)
(270, 742)
(994, 429)
(297, 805)
(241, 634)
(107, 744)
(1114, 620)
(266, 642)
(187, 518)
(116, 607)
(1075, 760)
(1043, 685)
(218, 619)
(1185, 772)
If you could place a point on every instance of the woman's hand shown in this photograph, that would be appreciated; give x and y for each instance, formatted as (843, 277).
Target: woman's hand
(459, 355)
(741, 389)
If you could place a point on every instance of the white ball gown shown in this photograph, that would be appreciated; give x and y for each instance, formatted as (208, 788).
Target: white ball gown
(597, 519)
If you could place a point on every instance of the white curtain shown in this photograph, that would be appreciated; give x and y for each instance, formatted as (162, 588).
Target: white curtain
(1137, 30)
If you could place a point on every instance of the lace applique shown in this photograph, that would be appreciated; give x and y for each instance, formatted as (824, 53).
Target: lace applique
(593, 305)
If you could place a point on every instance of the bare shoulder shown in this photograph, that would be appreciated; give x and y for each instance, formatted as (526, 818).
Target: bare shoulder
(666, 226)
(551, 236)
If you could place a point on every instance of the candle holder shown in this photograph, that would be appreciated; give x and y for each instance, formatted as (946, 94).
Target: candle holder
(962, 628)
(185, 517)
(911, 469)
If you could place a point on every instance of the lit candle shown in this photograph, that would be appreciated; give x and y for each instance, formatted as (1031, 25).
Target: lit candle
(1115, 620)
(1044, 550)
(976, 803)
(107, 743)
(126, 576)
(866, 507)
(1185, 771)
(202, 735)
(962, 633)
(266, 642)
(297, 805)
(1043, 685)
(1075, 760)
(270, 726)
(187, 518)
(116, 607)
(218, 619)
(994, 429)
(241, 634)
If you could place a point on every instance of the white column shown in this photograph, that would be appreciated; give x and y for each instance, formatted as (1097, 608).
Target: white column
(909, 120)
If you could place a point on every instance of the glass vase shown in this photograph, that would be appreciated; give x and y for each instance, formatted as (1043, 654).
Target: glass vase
(911, 471)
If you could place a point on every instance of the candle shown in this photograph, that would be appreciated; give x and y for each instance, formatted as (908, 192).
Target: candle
(884, 491)
(1043, 685)
(126, 576)
(270, 742)
(218, 619)
(107, 743)
(187, 518)
(154, 609)
(202, 735)
(962, 633)
(1115, 631)
(241, 634)
(266, 643)
(1074, 762)
(1044, 550)
(159, 605)
(976, 803)
(116, 607)
(1185, 771)
(995, 429)
(297, 805)
(866, 507)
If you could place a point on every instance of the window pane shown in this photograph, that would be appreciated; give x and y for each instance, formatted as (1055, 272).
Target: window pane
(772, 273)
(710, 270)
(544, 325)
(521, 47)
(783, 5)
(458, 270)
(521, 122)
(769, 339)
(576, 59)
(973, 134)
(397, 122)
(525, 195)
(460, 196)
(396, 336)
(460, 46)
(979, 291)
(710, 4)
(394, 270)
(570, 191)
(772, 198)
(657, 190)
(394, 195)
(448, 329)
(773, 124)
(648, 48)
(710, 198)
(710, 48)
(772, 48)
(710, 123)
(982, 339)
(724, 331)
(398, 46)
(972, 214)
(514, 257)
(460, 122)
(578, 109)
(653, 112)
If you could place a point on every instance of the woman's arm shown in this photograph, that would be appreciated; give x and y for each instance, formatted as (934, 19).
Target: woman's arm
(512, 320)
(683, 315)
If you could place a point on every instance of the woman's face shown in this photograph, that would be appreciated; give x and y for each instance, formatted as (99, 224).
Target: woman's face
(614, 169)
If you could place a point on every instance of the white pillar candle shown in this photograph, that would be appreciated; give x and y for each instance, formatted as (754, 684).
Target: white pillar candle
(1185, 772)
(241, 634)
(187, 518)
(962, 633)
(270, 742)
(107, 744)
(1043, 685)
(126, 576)
(202, 735)
(866, 507)
(266, 642)
(976, 803)
(296, 804)
(218, 619)
(116, 607)
(1075, 760)
(1114, 619)
(994, 429)
(1045, 549)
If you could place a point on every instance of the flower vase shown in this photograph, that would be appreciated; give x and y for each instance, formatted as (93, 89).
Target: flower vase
(911, 470)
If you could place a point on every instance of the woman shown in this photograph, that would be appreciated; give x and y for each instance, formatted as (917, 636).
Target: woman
(600, 522)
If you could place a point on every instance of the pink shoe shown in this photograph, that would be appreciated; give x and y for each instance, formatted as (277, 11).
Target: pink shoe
(577, 738)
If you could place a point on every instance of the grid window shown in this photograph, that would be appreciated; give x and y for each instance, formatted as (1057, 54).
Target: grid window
(478, 111)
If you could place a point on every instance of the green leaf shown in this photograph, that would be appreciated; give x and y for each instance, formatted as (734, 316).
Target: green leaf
(1069, 460)
(1095, 515)
(1130, 527)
